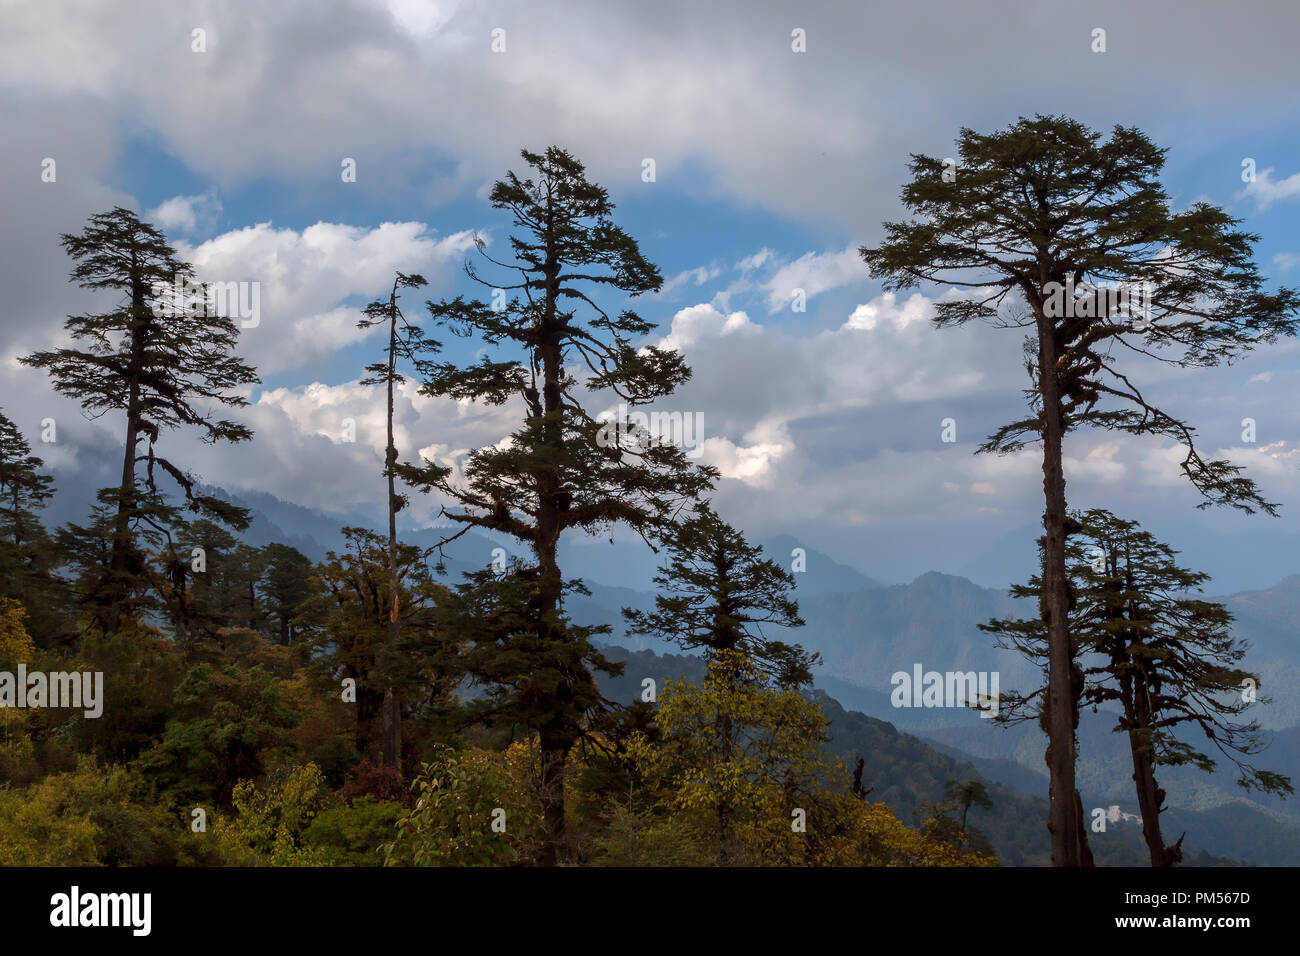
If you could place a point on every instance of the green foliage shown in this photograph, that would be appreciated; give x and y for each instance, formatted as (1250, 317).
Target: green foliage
(269, 824)
(223, 722)
(1151, 645)
(737, 757)
(870, 835)
(354, 834)
(15, 643)
(344, 625)
(639, 835)
(506, 646)
(458, 796)
(94, 816)
(284, 588)
(720, 593)
(141, 672)
(336, 757)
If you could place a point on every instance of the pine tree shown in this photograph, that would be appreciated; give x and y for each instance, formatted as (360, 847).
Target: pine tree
(194, 588)
(162, 358)
(562, 470)
(966, 794)
(1038, 219)
(1165, 656)
(717, 592)
(285, 587)
(345, 624)
(242, 571)
(27, 556)
(23, 489)
(405, 341)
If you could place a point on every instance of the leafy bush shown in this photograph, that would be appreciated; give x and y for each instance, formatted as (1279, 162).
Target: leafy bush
(94, 816)
(269, 824)
(354, 834)
(459, 797)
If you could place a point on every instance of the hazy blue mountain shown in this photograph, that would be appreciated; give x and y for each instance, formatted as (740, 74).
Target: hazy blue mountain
(311, 532)
(822, 574)
(1260, 554)
(1105, 767)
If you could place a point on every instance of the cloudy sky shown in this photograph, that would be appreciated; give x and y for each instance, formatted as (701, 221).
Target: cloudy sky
(771, 167)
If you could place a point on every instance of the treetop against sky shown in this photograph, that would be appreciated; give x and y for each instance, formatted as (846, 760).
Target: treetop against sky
(750, 155)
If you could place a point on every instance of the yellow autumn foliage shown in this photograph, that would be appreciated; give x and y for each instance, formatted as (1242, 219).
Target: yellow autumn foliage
(15, 643)
(741, 768)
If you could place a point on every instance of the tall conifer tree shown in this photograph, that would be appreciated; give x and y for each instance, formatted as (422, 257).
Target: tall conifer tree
(718, 592)
(165, 360)
(558, 346)
(1039, 219)
(405, 341)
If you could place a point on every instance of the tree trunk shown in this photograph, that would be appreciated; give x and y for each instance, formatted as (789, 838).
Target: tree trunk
(112, 597)
(550, 584)
(369, 703)
(555, 754)
(1063, 823)
(1150, 796)
(1085, 851)
(18, 520)
(724, 833)
(392, 754)
(724, 809)
(1148, 802)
